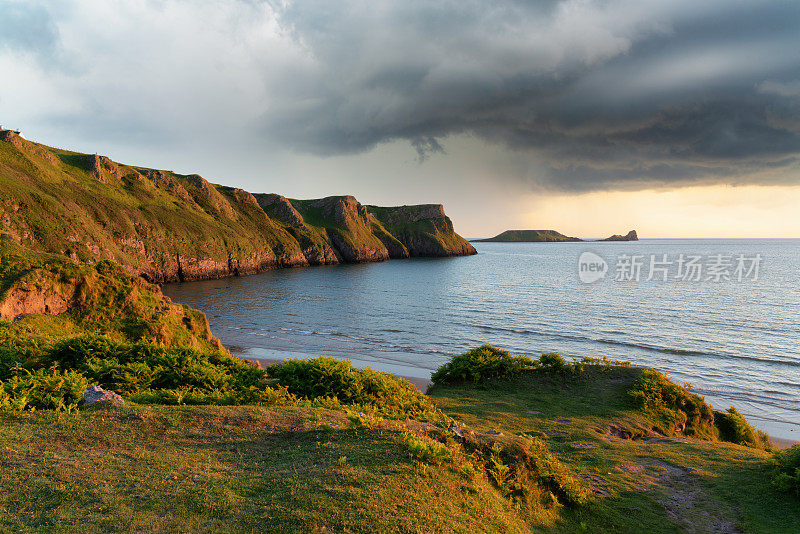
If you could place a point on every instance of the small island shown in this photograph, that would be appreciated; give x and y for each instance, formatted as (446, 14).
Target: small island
(547, 236)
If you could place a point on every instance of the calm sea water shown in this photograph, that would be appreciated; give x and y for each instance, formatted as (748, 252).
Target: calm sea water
(736, 342)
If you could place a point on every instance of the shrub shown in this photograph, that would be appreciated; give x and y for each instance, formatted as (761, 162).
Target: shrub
(555, 363)
(43, 389)
(131, 367)
(143, 372)
(787, 470)
(604, 362)
(676, 408)
(371, 391)
(734, 428)
(426, 450)
(480, 364)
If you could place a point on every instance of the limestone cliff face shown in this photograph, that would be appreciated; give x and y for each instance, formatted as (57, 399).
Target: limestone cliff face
(423, 230)
(171, 227)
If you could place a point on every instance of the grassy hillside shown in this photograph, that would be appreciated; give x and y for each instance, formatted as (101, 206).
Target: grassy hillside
(48, 297)
(645, 476)
(169, 226)
(302, 467)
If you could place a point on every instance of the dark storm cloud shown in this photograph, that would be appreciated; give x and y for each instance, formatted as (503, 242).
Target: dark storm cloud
(608, 94)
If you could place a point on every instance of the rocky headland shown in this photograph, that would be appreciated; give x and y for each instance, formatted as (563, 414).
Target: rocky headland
(170, 227)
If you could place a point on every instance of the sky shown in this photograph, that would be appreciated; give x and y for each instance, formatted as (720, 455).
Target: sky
(676, 118)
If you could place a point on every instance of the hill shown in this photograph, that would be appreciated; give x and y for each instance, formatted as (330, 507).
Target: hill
(169, 227)
(528, 236)
(546, 236)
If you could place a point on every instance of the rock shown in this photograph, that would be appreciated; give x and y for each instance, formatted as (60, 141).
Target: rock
(95, 394)
(494, 433)
(101, 167)
(456, 428)
(630, 236)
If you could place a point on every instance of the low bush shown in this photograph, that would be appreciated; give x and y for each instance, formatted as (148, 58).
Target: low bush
(49, 377)
(674, 407)
(371, 391)
(426, 450)
(605, 362)
(555, 363)
(131, 367)
(734, 428)
(480, 364)
(787, 470)
(43, 389)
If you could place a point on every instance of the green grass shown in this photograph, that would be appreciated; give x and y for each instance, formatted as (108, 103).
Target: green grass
(299, 466)
(650, 484)
(216, 469)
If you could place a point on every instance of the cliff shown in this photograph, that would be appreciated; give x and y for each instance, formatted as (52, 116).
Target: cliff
(169, 227)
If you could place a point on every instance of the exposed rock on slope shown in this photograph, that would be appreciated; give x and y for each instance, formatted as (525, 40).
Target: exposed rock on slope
(169, 227)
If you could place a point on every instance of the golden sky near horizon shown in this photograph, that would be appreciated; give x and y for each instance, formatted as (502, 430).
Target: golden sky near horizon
(693, 212)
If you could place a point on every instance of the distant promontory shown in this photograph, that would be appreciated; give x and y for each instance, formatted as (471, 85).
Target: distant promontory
(548, 236)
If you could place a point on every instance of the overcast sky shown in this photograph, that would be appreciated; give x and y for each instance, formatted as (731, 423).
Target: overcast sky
(678, 118)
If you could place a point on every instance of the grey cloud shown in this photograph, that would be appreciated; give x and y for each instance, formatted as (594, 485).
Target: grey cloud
(28, 27)
(609, 94)
(425, 146)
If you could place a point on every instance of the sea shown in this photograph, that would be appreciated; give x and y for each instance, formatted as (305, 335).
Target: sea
(722, 315)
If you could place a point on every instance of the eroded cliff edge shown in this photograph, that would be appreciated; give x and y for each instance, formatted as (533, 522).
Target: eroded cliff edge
(170, 227)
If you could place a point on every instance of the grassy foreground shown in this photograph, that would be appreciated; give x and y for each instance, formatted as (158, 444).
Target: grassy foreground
(304, 469)
(652, 483)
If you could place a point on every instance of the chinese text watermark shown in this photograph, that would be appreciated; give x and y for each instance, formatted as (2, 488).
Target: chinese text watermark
(676, 267)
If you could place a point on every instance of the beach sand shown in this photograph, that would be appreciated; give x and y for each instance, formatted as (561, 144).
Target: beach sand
(783, 443)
